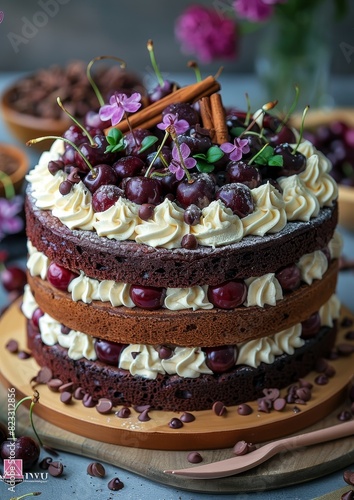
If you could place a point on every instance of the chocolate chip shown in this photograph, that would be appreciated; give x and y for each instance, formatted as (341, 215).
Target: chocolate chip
(88, 401)
(345, 349)
(321, 380)
(12, 346)
(146, 211)
(55, 469)
(271, 394)
(115, 484)
(240, 448)
(219, 408)
(141, 408)
(123, 412)
(350, 335)
(66, 387)
(349, 495)
(321, 365)
(279, 404)
(303, 393)
(244, 409)
(66, 397)
(65, 330)
(44, 464)
(79, 393)
(194, 457)
(44, 375)
(189, 242)
(344, 416)
(96, 469)
(348, 477)
(305, 383)
(144, 416)
(296, 409)
(187, 417)
(264, 405)
(104, 406)
(165, 352)
(24, 355)
(175, 423)
(54, 384)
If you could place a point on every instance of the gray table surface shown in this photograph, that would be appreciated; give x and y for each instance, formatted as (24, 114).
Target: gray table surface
(75, 483)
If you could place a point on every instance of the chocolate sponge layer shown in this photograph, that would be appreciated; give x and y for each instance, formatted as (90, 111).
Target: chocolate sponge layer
(134, 263)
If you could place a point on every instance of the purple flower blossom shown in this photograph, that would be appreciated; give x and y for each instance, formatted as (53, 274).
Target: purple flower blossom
(10, 223)
(255, 10)
(118, 105)
(180, 161)
(237, 149)
(206, 33)
(169, 119)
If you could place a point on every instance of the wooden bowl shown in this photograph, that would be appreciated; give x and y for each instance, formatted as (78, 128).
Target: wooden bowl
(25, 127)
(16, 167)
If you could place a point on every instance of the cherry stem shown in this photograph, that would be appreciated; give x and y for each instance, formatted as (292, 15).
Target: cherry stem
(150, 47)
(86, 132)
(258, 153)
(8, 185)
(68, 141)
(265, 107)
(248, 115)
(33, 494)
(90, 79)
(301, 129)
(158, 153)
(34, 399)
(131, 129)
(291, 110)
(194, 65)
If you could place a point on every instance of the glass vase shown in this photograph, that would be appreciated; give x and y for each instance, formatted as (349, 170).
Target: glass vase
(295, 51)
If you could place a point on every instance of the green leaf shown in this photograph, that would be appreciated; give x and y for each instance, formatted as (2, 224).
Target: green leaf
(114, 136)
(267, 153)
(276, 161)
(237, 131)
(147, 142)
(214, 154)
(202, 156)
(204, 167)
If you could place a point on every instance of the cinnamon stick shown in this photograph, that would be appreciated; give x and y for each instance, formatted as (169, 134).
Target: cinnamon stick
(206, 116)
(219, 121)
(152, 114)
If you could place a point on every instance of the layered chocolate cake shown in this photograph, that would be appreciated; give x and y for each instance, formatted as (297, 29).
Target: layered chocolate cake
(181, 253)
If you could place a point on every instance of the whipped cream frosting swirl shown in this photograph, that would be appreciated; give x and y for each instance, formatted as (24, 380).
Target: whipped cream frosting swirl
(218, 226)
(300, 202)
(312, 266)
(142, 360)
(119, 221)
(318, 181)
(195, 297)
(263, 290)
(330, 311)
(336, 245)
(166, 229)
(37, 262)
(269, 215)
(74, 209)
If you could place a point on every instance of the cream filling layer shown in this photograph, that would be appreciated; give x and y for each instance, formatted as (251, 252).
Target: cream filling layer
(303, 196)
(188, 362)
(261, 291)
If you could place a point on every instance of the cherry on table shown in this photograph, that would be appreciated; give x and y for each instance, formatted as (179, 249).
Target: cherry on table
(26, 449)
(13, 279)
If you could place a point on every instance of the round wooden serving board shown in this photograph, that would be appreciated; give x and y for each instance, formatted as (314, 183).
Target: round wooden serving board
(136, 446)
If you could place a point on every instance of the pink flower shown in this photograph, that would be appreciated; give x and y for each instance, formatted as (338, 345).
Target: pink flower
(10, 223)
(237, 149)
(180, 161)
(254, 10)
(169, 119)
(118, 105)
(206, 33)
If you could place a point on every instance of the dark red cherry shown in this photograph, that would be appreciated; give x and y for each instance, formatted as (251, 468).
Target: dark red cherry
(166, 153)
(94, 122)
(293, 163)
(59, 276)
(133, 141)
(95, 154)
(108, 352)
(75, 134)
(220, 359)
(128, 166)
(143, 190)
(101, 175)
(199, 191)
(161, 91)
(311, 326)
(237, 197)
(239, 171)
(196, 144)
(25, 449)
(105, 196)
(13, 279)
(289, 277)
(184, 111)
(36, 316)
(147, 297)
(228, 295)
(280, 136)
